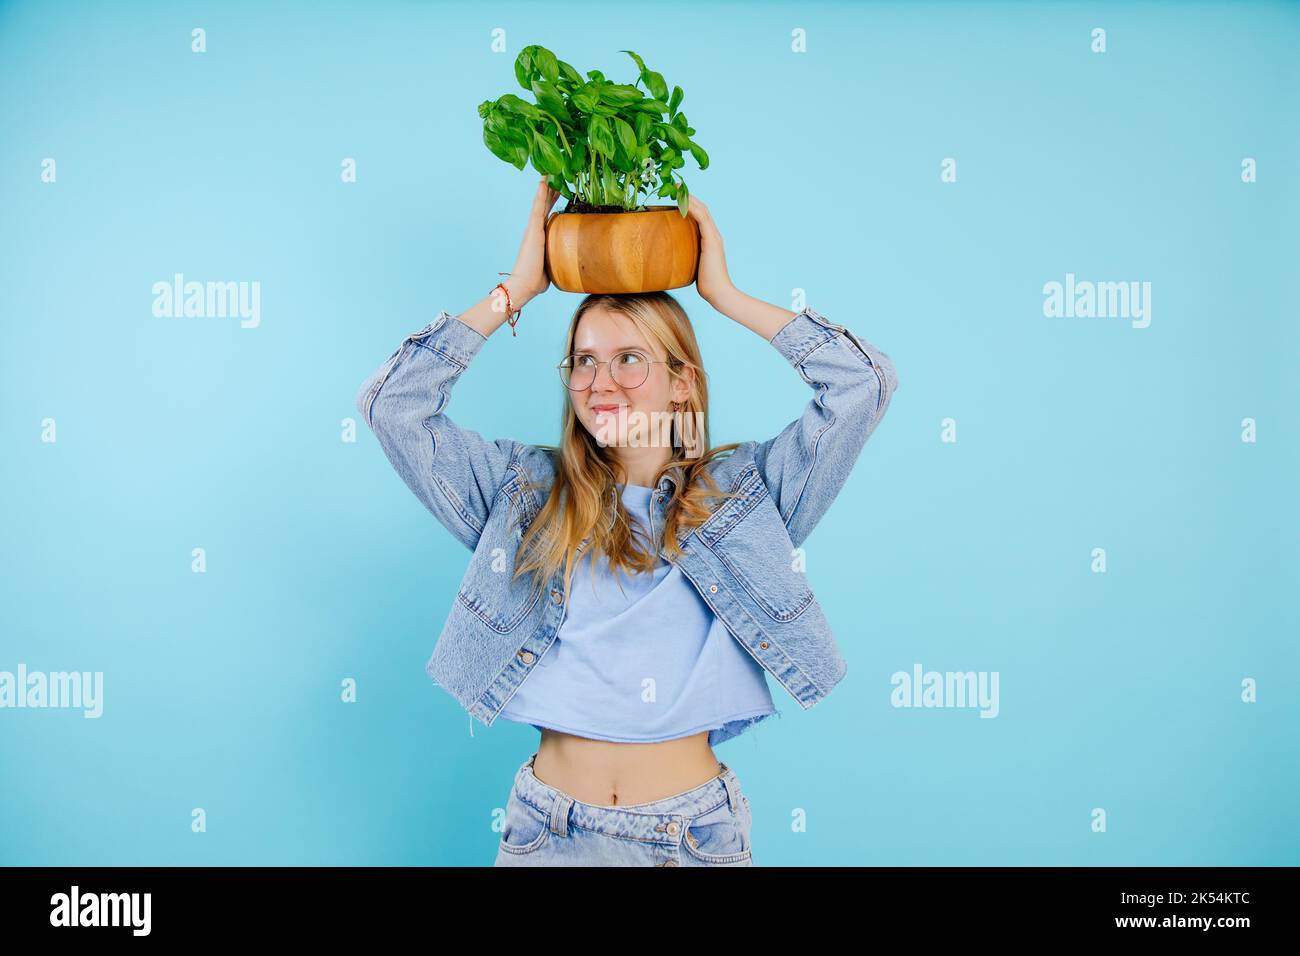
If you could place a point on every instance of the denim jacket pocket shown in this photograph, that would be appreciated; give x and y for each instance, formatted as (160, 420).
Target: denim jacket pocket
(750, 539)
(489, 587)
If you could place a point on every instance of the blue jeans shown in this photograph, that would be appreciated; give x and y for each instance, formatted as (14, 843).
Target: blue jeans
(706, 826)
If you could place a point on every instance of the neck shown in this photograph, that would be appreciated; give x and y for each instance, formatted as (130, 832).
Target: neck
(641, 466)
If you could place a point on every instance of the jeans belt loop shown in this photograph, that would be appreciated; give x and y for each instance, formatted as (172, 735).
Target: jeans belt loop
(560, 814)
(733, 789)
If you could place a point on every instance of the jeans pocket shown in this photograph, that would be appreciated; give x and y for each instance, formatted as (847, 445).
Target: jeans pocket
(526, 827)
(720, 835)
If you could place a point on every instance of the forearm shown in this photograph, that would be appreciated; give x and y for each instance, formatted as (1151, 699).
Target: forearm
(454, 471)
(806, 465)
(758, 316)
(489, 314)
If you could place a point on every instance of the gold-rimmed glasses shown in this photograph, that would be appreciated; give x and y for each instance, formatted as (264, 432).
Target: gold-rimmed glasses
(629, 369)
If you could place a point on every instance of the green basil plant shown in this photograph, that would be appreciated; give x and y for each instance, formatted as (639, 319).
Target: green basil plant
(598, 143)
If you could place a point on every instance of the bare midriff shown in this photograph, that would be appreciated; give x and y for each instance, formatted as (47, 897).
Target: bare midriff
(608, 774)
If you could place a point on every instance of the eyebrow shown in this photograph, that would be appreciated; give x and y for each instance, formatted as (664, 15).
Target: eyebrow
(617, 348)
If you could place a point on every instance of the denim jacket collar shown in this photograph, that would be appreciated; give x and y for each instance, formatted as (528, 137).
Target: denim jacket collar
(663, 493)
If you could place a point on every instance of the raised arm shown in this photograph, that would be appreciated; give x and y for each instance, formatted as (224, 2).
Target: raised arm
(455, 472)
(806, 465)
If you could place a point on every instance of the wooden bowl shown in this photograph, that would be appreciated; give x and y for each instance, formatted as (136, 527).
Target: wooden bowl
(613, 252)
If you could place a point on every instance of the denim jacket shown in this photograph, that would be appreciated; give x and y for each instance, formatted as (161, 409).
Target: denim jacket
(739, 559)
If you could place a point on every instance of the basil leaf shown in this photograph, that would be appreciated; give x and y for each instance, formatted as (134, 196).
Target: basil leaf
(626, 135)
(676, 100)
(655, 83)
(546, 156)
(549, 99)
(602, 140)
(701, 157)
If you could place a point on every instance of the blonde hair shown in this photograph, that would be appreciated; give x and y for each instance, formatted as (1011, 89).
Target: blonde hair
(583, 498)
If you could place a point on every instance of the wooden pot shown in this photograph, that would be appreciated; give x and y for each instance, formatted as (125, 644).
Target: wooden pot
(613, 252)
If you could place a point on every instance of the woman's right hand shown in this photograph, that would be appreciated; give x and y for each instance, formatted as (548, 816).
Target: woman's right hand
(529, 278)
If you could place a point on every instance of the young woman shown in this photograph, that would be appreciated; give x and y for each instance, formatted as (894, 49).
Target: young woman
(674, 569)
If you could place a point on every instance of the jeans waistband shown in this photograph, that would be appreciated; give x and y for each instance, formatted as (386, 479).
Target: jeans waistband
(659, 821)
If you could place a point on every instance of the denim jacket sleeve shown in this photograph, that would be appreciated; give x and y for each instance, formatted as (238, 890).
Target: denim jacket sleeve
(455, 472)
(806, 465)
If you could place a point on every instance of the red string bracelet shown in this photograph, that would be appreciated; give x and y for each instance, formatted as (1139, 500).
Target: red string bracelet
(511, 316)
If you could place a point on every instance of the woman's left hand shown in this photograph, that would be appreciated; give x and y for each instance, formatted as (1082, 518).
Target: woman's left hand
(712, 281)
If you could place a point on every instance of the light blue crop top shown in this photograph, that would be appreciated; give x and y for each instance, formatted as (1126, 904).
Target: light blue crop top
(646, 663)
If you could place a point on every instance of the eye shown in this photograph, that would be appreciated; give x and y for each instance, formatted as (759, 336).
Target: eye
(630, 358)
(582, 360)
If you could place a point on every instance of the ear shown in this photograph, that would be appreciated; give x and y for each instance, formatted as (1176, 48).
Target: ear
(682, 383)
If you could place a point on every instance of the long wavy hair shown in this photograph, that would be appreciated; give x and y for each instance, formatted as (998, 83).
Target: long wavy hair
(583, 499)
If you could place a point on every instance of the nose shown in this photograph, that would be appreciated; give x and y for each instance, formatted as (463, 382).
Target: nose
(610, 384)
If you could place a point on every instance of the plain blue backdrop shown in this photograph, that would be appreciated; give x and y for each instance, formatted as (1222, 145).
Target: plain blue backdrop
(1120, 691)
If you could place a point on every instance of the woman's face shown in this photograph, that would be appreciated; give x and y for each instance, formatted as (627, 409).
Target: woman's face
(615, 413)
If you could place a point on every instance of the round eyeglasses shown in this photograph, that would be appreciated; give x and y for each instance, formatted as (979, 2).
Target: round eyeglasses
(629, 369)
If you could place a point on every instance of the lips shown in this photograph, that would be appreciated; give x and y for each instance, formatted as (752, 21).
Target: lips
(605, 408)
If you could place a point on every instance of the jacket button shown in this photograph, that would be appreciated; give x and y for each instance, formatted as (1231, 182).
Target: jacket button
(557, 597)
(763, 645)
(713, 589)
(527, 657)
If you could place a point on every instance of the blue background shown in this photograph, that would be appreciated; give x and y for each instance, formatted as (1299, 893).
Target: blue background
(1118, 690)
